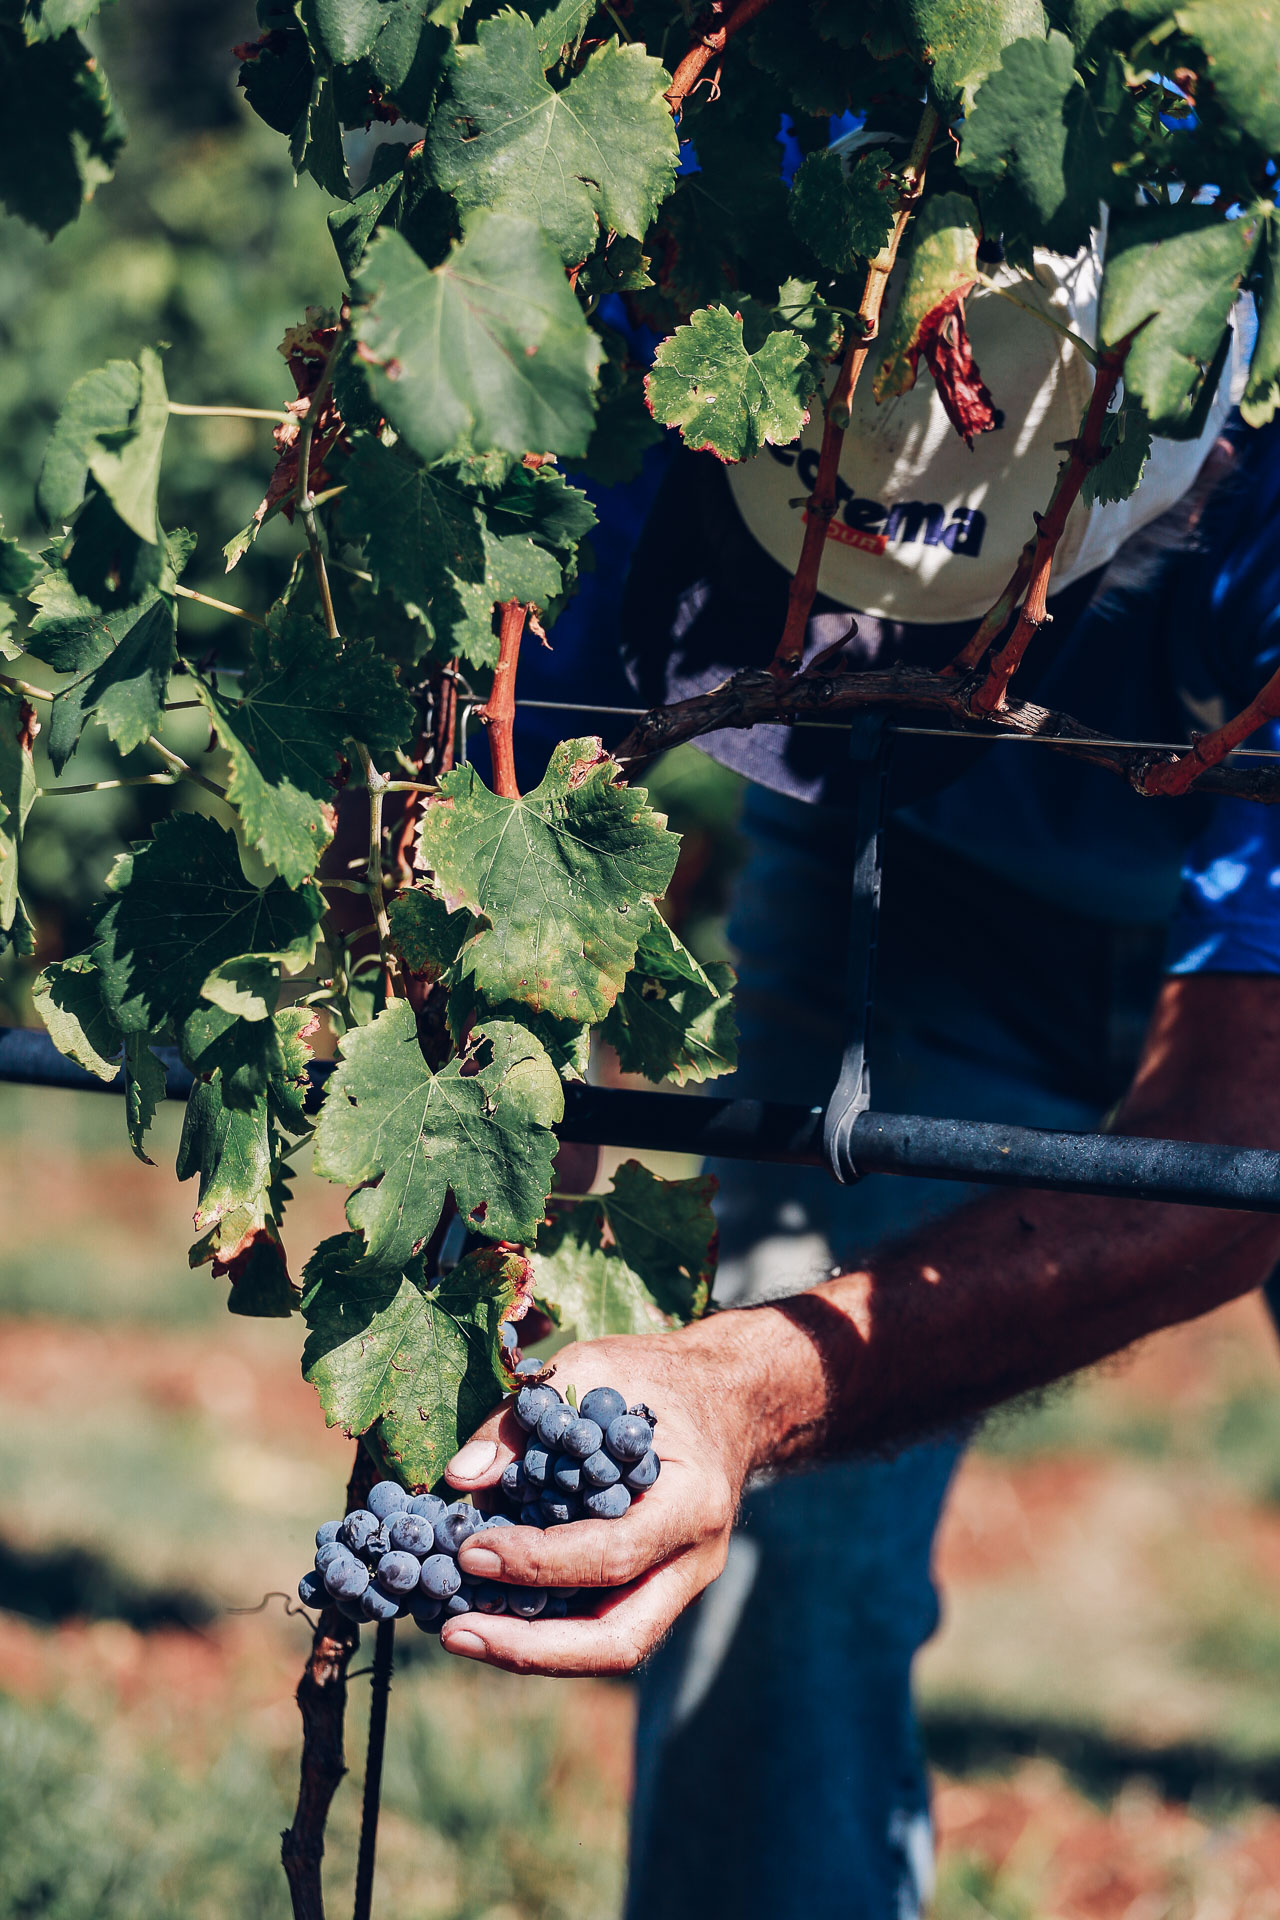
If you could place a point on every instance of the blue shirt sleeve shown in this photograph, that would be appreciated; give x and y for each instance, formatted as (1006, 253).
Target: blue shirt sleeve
(1227, 919)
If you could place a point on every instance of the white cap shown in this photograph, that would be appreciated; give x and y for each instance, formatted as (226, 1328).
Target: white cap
(927, 529)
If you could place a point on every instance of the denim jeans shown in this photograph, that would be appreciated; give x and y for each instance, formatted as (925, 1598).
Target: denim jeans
(778, 1766)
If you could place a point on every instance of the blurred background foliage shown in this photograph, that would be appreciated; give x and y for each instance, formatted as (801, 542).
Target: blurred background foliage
(203, 242)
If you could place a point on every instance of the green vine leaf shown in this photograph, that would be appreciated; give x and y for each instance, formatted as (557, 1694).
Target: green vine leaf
(942, 265)
(69, 999)
(599, 156)
(60, 131)
(425, 934)
(1262, 392)
(490, 349)
(674, 1018)
(17, 796)
(1126, 438)
(180, 907)
(961, 40)
(1240, 63)
(560, 876)
(419, 1362)
(843, 217)
(303, 697)
(618, 1262)
(111, 427)
(480, 1127)
(1174, 272)
(725, 400)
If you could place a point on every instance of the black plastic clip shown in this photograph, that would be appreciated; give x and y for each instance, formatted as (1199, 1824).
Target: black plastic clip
(869, 753)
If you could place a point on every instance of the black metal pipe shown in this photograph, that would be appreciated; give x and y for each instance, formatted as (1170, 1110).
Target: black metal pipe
(915, 1145)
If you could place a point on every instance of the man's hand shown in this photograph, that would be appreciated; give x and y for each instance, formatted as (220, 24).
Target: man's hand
(657, 1558)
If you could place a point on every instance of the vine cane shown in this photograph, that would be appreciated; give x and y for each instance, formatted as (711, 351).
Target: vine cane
(383, 1658)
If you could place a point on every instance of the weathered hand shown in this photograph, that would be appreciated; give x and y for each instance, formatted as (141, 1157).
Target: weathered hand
(657, 1558)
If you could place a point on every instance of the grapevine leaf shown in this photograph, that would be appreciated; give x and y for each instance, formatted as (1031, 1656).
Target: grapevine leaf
(561, 27)
(48, 19)
(725, 400)
(449, 550)
(421, 1360)
(275, 74)
(68, 998)
(256, 1267)
(962, 40)
(95, 416)
(481, 1126)
(425, 934)
(17, 796)
(673, 1019)
(121, 657)
(303, 696)
(624, 429)
(127, 466)
(1262, 392)
(942, 267)
(843, 217)
(602, 154)
(568, 1045)
(1174, 273)
(315, 143)
(1242, 69)
(352, 225)
(561, 877)
(181, 906)
(19, 572)
(1126, 439)
(144, 1089)
(1015, 134)
(603, 1266)
(247, 987)
(60, 131)
(490, 348)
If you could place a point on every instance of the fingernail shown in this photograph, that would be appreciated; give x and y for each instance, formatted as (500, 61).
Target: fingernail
(481, 1561)
(473, 1459)
(469, 1645)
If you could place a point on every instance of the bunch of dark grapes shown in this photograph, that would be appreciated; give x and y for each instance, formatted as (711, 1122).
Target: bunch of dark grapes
(587, 1462)
(397, 1556)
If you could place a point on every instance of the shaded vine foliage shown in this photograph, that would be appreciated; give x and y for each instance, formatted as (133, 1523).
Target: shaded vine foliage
(333, 869)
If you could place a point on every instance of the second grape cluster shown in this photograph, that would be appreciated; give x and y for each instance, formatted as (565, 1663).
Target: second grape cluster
(580, 1463)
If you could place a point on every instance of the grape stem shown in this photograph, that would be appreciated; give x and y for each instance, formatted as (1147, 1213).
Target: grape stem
(862, 333)
(178, 765)
(219, 606)
(304, 499)
(231, 413)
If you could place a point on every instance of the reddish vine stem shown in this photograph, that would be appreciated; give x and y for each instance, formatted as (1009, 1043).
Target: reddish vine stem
(1212, 748)
(822, 501)
(1084, 454)
(499, 711)
(322, 1702)
(707, 47)
(996, 618)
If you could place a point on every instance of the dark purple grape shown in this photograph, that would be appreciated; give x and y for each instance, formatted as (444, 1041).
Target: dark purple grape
(509, 1337)
(439, 1578)
(351, 1610)
(425, 1612)
(358, 1529)
(608, 1503)
(598, 1470)
(429, 1506)
(554, 1424)
(532, 1403)
(558, 1508)
(461, 1601)
(566, 1473)
(379, 1606)
(602, 1405)
(332, 1550)
(531, 1516)
(498, 1520)
(513, 1481)
(642, 1476)
(412, 1533)
(537, 1466)
(327, 1532)
(347, 1578)
(386, 1498)
(490, 1597)
(311, 1589)
(397, 1573)
(526, 1602)
(628, 1439)
(584, 1437)
(528, 1365)
(456, 1524)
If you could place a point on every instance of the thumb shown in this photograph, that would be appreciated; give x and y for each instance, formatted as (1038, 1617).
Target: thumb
(492, 1446)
